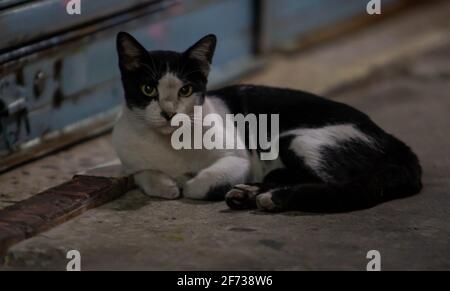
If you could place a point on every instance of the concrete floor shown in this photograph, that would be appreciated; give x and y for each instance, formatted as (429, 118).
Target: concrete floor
(403, 72)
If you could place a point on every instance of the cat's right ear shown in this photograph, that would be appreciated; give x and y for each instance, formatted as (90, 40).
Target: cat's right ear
(203, 51)
(131, 53)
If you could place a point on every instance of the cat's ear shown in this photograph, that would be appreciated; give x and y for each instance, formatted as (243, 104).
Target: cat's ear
(203, 50)
(131, 53)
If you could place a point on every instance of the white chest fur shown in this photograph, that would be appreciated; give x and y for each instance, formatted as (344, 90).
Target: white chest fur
(140, 148)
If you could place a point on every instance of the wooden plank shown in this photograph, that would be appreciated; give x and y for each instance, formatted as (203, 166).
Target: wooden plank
(57, 205)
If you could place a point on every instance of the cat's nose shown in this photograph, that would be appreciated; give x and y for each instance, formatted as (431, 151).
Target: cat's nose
(167, 116)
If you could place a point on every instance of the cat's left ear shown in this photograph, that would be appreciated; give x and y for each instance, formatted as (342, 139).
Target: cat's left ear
(203, 51)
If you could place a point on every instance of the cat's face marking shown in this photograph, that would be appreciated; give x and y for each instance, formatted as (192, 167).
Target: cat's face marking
(160, 84)
(170, 101)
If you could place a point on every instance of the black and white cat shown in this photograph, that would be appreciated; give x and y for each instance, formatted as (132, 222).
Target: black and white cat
(331, 156)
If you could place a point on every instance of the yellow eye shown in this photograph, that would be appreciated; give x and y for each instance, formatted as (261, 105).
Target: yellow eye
(185, 91)
(149, 91)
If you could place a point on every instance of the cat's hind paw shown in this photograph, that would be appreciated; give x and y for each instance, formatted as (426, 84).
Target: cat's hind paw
(265, 202)
(197, 188)
(242, 197)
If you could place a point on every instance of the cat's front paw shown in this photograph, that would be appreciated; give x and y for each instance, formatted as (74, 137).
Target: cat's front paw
(165, 192)
(157, 185)
(205, 187)
(197, 187)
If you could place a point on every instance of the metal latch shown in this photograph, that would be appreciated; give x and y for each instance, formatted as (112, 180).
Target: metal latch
(16, 110)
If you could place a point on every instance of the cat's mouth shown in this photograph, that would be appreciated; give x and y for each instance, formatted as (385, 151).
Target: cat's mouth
(166, 128)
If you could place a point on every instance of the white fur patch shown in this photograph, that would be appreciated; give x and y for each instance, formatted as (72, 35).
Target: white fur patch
(261, 168)
(309, 142)
(168, 87)
(156, 184)
(229, 170)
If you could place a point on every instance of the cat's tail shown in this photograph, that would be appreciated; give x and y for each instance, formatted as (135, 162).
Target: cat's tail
(387, 182)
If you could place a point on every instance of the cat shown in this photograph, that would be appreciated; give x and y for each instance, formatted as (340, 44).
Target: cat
(332, 157)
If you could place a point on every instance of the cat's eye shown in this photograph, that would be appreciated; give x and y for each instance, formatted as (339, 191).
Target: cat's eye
(149, 91)
(185, 91)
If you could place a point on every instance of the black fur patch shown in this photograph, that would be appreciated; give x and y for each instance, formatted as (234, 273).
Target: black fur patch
(218, 193)
(364, 175)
